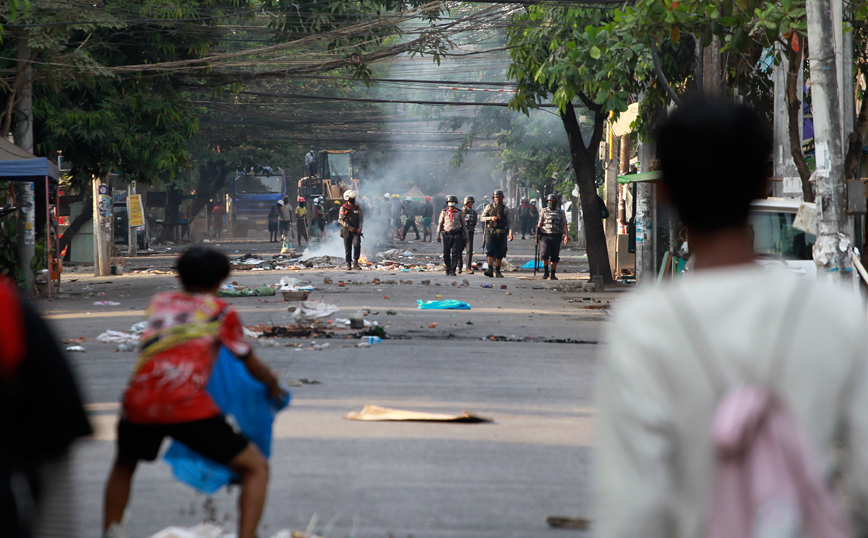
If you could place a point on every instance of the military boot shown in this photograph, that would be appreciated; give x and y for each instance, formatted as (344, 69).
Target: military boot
(489, 272)
(553, 277)
(349, 266)
(356, 266)
(546, 273)
(497, 273)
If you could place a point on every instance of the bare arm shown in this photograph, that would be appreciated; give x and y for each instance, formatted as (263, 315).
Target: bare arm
(260, 371)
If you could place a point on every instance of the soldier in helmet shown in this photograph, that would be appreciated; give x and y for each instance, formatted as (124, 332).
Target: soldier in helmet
(470, 219)
(553, 230)
(351, 218)
(496, 219)
(451, 225)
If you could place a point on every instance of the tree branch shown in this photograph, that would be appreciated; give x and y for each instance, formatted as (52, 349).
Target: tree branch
(658, 68)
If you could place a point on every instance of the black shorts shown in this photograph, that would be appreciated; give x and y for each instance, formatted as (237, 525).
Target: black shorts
(213, 438)
(495, 245)
(550, 247)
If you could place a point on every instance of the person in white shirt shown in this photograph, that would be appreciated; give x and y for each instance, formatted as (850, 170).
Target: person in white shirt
(654, 462)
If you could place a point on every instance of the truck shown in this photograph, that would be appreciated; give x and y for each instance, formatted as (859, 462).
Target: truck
(252, 194)
(336, 174)
(776, 242)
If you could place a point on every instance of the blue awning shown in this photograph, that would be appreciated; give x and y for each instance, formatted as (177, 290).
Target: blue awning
(17, 164)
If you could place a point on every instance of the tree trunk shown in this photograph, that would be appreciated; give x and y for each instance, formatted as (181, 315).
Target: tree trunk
(173, 201)
(584, 160)
(855, 142)
(212, 178)
(794, 107)
(77, 223)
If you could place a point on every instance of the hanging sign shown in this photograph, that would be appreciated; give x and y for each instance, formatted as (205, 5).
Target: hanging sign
(135, 210)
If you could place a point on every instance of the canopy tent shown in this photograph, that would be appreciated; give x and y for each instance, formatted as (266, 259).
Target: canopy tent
(647, 176)
(17, 164)
(414, 194)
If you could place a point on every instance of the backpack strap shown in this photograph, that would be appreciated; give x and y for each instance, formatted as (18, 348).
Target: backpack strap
(705, 351)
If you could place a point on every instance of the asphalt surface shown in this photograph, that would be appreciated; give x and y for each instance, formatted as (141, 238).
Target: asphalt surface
(524, 356)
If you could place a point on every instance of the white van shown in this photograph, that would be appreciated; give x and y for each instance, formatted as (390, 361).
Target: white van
(777, 244)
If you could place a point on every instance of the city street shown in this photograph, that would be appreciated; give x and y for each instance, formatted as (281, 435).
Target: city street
(524, 356)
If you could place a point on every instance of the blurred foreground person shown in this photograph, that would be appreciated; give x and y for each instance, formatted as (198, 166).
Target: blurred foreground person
(41, 414)
(764, 360)
(167, 394)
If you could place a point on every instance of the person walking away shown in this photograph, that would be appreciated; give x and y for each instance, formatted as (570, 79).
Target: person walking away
(409, 218)
(334, 212)
(273, 219)
(453, 229)
(524, 217)
(301, 221)
(285, 218)
(317, 215)
(427, 219)
(470, 219)
(352, 219)
(676, 353)
(552, 230)
(496, 219)
(167, 394)
(395, 212)
(217, 219)
(534, 212)
(310, 162)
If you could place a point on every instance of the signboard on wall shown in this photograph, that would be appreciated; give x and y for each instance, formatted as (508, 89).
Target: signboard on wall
(135, 210)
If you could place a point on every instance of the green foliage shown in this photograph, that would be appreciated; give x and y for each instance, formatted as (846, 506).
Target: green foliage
(9, 255)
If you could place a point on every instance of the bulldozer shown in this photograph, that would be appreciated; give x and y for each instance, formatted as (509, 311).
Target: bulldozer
(334, 175)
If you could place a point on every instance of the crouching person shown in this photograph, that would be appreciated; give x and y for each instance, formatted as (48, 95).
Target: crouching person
(167, 397)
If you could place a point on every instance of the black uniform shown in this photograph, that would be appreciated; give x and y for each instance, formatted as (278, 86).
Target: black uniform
(351, 218)
(525, 219)
(410, 214)
(470, 219)
(551, 224)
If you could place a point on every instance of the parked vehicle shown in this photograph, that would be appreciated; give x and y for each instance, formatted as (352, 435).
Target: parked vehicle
(122, 229)
(252, 195)
(776, 242)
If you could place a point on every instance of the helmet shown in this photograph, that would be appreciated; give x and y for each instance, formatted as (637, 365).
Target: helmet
(337, 201)
(497, 194)
(386, 196)
(310, 148)
(396, 197)
(533, 202)
(468, 199)
(408, 199)
(281, 203)
(552, 197)
(351, 195)
(427, 198)
(524, 198)
(301, 198)
(452, 198)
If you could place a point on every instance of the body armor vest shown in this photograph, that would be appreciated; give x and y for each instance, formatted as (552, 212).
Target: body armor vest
(470, 217)
(553, 221)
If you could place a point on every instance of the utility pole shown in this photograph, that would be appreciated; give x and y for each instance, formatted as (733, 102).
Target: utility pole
(835, 227)
(610, 224)
(784, 165)
(645, 256)
(101, 223)
(132, 235)
(22, 132)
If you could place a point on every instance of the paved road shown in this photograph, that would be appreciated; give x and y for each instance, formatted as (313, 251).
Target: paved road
(381, 479)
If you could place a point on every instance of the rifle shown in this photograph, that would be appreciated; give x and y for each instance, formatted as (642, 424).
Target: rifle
(536, 252)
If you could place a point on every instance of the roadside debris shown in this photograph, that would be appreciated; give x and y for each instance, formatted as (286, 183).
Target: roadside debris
(376, 413)
(432, 325)
(106, 303)
(75, 349)
(576, 523)
(312, 311)
(230, 290)
(448, 304)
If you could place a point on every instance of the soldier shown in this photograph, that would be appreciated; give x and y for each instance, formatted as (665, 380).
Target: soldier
(410, 218)
(525, 218)
(496, 219)
(451, 226)
(427, 218)
(553, 229)
(352, 218)
(470, 219)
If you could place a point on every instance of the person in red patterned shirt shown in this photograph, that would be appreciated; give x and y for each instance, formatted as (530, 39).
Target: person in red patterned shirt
(167, 396)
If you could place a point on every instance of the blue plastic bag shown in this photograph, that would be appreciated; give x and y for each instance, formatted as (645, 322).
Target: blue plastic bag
(242, 397)
(529, 265)
(448, 304)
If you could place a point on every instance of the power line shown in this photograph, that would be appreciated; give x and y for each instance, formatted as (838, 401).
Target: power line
(386, 101)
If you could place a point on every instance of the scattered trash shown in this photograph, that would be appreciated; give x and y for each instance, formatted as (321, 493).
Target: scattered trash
(242, 291)
(486, 285)
(577, 523)
(432, 325)
(385, 296)
(503, 286)
(319, 347)
(293, 284)
(326, 280)
(363, 344)
(377, 413)
(391, 312)
(529, 265)
(106, 303)
(311, 311)
(75, 349)
(203, 530)
(448, 304)
(465, 283)
(374, 340)
(425, 282)
(118, 337)
(439, 296)
(509, 293)
(74, 340)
